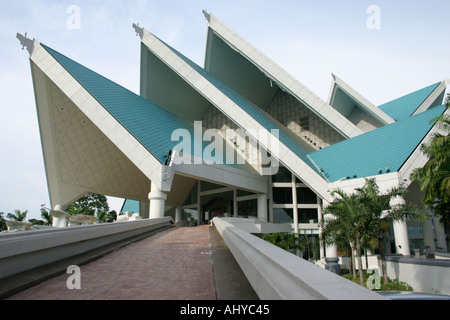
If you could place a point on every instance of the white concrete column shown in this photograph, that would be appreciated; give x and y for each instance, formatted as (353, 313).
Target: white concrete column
(428, 234)
(439, 232)
(331, 251)
(59, 217)
(400, 230)
(178, 214)
(320, 219)
(331, 254)
(295, 204)
(262, 206)
(199, 203)
(157, 202)
(235, 203)
(401, 237)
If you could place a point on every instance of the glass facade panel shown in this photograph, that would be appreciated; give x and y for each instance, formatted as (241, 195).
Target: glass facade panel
(305, 215)
(306, 196)
(283, 175)
(248, 208)
(283, 215)
(282, 195)
(192, 198)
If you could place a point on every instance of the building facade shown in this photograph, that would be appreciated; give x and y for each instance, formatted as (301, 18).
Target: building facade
(239, 137)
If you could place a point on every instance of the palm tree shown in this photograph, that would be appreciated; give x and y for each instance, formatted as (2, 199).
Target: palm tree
(2, 222)
(434, 177)
(17, 215)
(346, 225)
(380, 214)
(289, 242)
(46, 216)
(365, 215)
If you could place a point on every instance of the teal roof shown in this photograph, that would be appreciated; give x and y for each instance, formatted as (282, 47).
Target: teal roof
(130, 206)
(286, 137)
(148, 123)
(405, 106)
(379, 151)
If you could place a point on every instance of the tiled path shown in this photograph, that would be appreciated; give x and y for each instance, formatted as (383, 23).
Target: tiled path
(175, 264)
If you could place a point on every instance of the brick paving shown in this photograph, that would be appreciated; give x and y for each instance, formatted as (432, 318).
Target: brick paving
(175, 264)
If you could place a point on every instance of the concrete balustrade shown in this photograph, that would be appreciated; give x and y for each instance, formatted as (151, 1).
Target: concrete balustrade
(23, 251)
(277, 274)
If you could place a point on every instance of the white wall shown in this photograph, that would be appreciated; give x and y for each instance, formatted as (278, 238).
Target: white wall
(424, 275)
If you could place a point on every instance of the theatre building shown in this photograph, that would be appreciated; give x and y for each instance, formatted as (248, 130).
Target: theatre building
(238, 137)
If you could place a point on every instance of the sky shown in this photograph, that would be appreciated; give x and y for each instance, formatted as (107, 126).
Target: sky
(384, 49)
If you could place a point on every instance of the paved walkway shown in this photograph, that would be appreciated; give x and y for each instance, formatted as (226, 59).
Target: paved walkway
(176, 264)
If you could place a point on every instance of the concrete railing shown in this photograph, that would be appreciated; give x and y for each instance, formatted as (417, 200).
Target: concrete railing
(23, 251)
(277, 274)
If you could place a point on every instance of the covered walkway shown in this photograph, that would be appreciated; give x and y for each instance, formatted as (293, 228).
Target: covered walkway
(175, 264)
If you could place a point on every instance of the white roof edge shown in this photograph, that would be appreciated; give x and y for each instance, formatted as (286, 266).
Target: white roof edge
(365, 103)
(26, 42)
(286, 81)
(332, 89)
(231, 110)
(432, 97)
(418, 159)
(97, 113)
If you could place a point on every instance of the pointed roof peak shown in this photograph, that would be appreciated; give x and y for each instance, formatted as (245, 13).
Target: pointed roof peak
(207, 15)
(26, 42)
(138, 29)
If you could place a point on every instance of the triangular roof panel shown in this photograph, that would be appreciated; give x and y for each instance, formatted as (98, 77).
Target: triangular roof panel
(292, 153)
(407, 105)
(377, 152)
(355, 99)
(150, 124)
(278, 76)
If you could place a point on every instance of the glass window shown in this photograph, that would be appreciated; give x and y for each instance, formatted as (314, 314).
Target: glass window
(283, 215)
(192, 198)
(305, 215)
(306, 196)
(283, 175)
(414, 229)
(248, 208)
(282, 195)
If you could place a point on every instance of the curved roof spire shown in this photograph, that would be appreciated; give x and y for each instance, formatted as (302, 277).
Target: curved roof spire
(26, 42)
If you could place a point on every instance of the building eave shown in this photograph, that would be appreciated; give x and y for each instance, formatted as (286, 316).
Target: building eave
(283, 79)
(369, 107)
(232, 110)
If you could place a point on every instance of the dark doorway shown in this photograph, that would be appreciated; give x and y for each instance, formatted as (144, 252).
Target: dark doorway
(216, 208)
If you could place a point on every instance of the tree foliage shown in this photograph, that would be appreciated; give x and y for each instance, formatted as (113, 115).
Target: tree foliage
(93, 204)
(2, 222)
(434, 177)
(359, 218)
(89, 205)
(17, 215)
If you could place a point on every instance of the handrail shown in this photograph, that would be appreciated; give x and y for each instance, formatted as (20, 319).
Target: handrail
(22, 251)
(276, 274)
